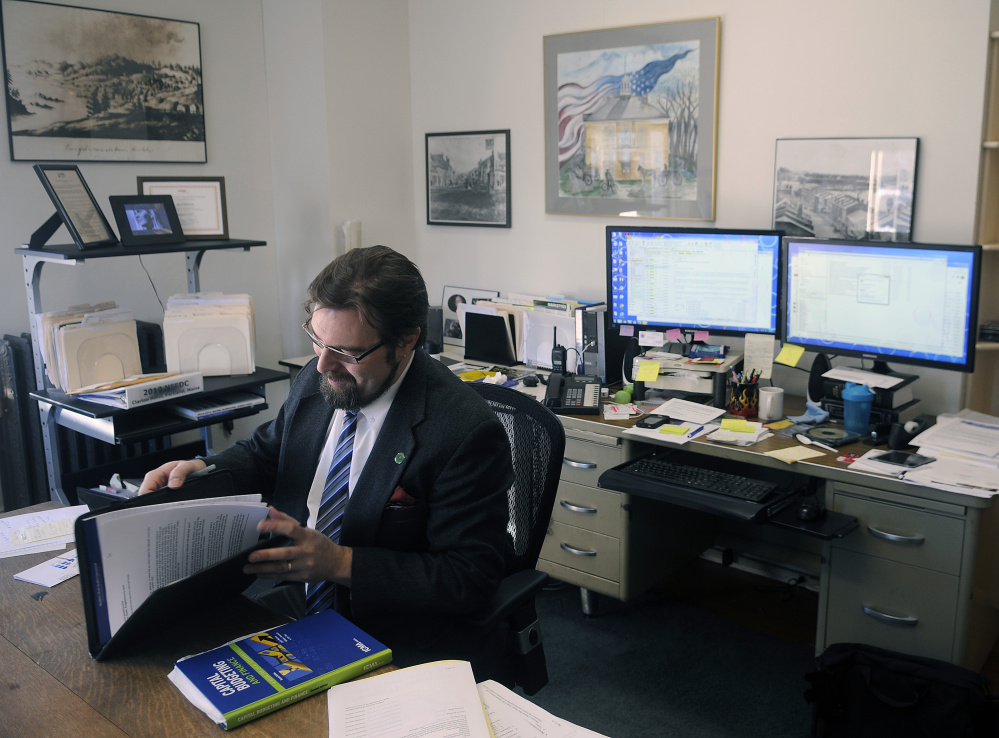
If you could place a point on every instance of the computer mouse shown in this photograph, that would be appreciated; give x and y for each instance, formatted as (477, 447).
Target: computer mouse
(531, 380)
(810, 511)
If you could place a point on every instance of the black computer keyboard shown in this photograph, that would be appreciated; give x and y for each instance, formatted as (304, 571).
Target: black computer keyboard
(718, 486)
(709, 480)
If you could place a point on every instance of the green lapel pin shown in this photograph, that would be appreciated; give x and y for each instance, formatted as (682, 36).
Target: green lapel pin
(400, 457)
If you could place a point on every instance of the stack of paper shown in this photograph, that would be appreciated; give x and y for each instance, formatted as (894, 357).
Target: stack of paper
(967, 435)
(87, 345)
(209, 333)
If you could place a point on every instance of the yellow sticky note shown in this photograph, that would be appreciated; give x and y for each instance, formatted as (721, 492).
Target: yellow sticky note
(648, 371)
(736, 425)
(790, 354)
(674, 430)
(780, 424)
(472, 376)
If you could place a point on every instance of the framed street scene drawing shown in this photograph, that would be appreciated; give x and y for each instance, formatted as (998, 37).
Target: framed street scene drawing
(631, 120)
(859, 188)
(468, 178)
(97, 85)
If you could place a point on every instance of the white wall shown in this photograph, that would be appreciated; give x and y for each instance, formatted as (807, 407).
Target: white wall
(787, 69)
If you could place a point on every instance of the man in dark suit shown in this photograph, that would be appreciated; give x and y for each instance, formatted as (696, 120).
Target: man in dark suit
(421, 542)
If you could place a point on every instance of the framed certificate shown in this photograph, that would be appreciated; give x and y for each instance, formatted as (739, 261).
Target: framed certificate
(75, 208)
(200, 203)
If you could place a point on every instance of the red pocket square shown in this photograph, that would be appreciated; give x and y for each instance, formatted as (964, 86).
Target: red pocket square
(401, 498)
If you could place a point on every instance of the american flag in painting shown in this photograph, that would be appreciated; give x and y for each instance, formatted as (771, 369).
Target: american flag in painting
(576, 100)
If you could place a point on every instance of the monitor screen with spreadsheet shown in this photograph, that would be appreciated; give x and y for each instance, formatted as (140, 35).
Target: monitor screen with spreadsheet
(900, 302)
(723, 281)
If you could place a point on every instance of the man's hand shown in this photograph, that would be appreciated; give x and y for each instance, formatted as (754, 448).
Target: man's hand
(311, 557)
(171, 474)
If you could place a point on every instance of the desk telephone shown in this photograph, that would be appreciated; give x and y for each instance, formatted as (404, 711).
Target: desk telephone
(573, 394)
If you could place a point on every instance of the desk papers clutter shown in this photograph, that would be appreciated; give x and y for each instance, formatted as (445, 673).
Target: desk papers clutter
(265, 671)
(45, 530)
(441, 699)
(209, 332)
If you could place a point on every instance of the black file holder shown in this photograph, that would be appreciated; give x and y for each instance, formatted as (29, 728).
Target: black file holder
(185, 596)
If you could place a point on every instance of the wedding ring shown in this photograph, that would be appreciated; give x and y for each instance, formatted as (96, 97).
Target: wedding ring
(289, 564)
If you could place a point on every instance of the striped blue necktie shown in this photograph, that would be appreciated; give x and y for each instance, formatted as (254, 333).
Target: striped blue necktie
(319, 596)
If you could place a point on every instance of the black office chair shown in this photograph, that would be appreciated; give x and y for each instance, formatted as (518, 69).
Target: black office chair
(537, 440)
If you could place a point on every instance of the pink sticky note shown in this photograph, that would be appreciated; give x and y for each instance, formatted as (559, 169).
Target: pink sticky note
(627, 330)
(701, 336)
(674, 334)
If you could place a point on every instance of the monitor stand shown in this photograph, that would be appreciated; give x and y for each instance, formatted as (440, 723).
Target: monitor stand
(820, 365)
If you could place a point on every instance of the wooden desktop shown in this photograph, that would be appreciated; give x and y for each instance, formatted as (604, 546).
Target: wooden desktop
(51, 685)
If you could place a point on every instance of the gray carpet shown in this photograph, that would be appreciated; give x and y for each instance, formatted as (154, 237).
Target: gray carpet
(660, 669)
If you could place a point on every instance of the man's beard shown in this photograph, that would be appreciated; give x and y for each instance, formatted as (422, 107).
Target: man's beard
(346, 396)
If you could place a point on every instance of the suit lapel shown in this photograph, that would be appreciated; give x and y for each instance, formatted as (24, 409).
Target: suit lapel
(389, 457)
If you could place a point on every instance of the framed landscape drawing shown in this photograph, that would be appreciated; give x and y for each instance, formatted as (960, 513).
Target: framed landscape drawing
(631, 120)
(468, 178)
(96, 85)
(859, 188)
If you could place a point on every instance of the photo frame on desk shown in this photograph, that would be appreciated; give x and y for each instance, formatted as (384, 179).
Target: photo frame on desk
(454, 331)
(200, 203)
(146, 219)
(75, 206)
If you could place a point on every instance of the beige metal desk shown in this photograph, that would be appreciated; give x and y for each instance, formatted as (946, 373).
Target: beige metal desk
(919, 575)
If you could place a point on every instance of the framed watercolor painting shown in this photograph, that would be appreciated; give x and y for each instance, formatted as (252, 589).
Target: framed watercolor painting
(631, 120)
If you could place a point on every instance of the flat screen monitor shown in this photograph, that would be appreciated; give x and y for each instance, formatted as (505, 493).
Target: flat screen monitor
(722, 281)
(900, 302)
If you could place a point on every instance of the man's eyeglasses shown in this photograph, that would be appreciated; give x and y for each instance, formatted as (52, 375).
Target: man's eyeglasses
(339, 354)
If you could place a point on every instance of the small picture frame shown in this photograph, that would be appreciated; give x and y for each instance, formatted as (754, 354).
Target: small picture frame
(146, 219)
(75, 206)
(200, 203)
(454, 330)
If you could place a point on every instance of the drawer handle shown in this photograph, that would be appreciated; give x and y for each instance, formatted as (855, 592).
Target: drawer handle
(577, 508)
(893, 619)
(576, 551)
(892, 538)
(579, 464)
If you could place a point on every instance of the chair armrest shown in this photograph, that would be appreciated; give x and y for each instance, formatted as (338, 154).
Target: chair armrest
(513, 591)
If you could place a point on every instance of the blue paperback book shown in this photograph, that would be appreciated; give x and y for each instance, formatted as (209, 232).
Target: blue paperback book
(266, 671)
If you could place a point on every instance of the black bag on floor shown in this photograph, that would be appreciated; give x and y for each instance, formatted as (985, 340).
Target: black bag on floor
(861, 690)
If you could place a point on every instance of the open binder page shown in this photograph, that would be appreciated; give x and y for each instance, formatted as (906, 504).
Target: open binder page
(135, 551)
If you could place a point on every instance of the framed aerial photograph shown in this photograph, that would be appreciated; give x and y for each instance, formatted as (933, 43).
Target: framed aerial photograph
(631, 120)
(200, 203)
(857, 188)
(468, 178)
(450, 300)
(97, 85)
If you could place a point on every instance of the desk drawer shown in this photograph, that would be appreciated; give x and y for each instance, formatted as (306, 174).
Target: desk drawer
(585, 461)
(909, 609)
(903, 534)
(594, 509)
(582, 549)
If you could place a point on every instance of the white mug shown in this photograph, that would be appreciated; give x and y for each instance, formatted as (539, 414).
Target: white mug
(771, 403)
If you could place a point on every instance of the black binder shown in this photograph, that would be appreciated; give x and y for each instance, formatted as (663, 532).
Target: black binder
(183, 598)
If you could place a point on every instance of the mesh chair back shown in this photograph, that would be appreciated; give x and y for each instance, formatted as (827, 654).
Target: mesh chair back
(537, 440)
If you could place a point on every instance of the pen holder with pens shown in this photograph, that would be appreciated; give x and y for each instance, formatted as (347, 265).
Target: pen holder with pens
(744, 399)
